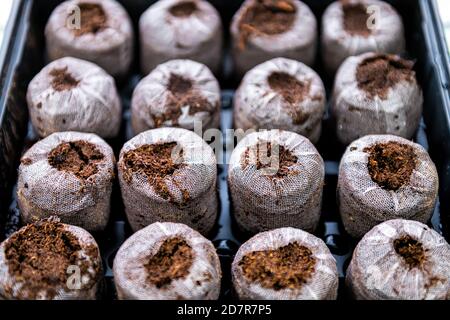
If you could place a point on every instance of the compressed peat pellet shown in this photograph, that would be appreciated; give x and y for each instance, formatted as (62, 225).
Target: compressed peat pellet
(281, 94)
(353, 27)
(384, 177)
(68, 175)
(285, 264)
(74, 95)
(376, 94)
(276, 180)
(99, 31)
(167, 261)
(181, 29)
(178, 93)
(400, 260)
(49, 260)
(265, 29)
(169, 174)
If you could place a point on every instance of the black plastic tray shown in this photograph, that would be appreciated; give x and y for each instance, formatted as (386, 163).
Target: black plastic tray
(24, 57)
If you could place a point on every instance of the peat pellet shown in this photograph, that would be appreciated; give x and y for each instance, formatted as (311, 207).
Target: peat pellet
(167, 261)
(49, 260)
(281, 94)
(181, 29)
(276, 180)
(71, 94)
(400, 260)
(376, 94)
(285, 264)
(265, 29)
(384, 177)
(169, 174)
(99, 31)
(178, 93)
(353, 27)
(68, 175)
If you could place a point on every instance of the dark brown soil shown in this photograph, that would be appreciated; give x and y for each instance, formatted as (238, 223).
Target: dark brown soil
(183, 9)
(282, 156)
(287, 267)
(355, 19)
(266, 17)
(293, 91)
(93, 19)
(179, 86)
(182, 94)
(78, 157)
(155, 161)
(62, 80)
(391, 164)
(40, 254)
(410, 250)
(376, 75)
(172, 261)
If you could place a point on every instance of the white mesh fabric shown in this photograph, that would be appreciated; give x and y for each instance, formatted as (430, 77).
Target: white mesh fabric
(261, 202)
(363, 203)
(258, 106)
(151, 97)
(164, 36)
(91, 106)
(377, 272)
(111, 47)
(197, 176)
(338, 44)
(130, 274)
(12, 288)
(44, 191)
(297, 43)
(357, 114)
(322, 285)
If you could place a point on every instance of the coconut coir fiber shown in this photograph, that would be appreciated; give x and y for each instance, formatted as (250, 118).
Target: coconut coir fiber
(78, 157)
(172, 261)
(62, 80)
(356, 18)
(40, 254)
(376, 75)
(182, 94)
(157, 163)
(287, 267)
(183, 9)
(265, 156)
(410, 250)
(293, 91)
(391, 164)
(93, 19)
(267, 17)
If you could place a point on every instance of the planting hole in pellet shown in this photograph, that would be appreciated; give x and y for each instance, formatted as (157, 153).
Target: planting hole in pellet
(93, 19)
(266, 17)
(182, 94)
(172, 261)
(391, 164)
(78, 157)
(183, 9)
(410, 250)
(157, 162)
(288, 267)
(270, 156)
(62, 80)
(356, 19)
(376, 75)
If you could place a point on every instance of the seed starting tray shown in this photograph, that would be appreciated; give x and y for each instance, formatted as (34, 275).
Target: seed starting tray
(23, 56)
